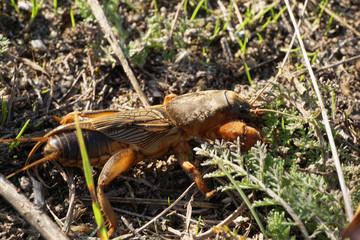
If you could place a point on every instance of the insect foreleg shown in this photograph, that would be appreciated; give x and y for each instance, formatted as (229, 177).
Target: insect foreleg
(169, 97)
(182, 150)
(232, 130)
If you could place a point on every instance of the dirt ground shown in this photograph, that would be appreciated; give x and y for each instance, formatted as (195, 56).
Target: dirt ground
(73, 69)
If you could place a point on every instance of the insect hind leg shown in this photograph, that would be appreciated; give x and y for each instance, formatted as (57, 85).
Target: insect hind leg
(117, 164)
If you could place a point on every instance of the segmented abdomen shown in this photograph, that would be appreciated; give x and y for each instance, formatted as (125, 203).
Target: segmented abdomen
(99, 147)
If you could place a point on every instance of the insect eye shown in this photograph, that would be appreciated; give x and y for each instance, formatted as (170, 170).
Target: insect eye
(243, 108)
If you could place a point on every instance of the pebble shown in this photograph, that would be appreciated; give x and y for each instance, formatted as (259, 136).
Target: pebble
(25, 6)
(38, 45)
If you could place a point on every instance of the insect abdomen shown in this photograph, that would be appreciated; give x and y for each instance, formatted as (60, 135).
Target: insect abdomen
(99, 147)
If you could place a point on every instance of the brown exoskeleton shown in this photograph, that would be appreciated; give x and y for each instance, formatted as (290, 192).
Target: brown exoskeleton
(119, 139)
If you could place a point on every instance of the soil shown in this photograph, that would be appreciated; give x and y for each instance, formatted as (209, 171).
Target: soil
(52, 68)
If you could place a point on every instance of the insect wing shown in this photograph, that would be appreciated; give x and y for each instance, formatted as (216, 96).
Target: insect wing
(141, 127)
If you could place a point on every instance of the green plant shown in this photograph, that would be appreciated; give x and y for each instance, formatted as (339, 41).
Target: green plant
(278, 226)
(198, 226)
(242, 44)
(216, 32)
(110, 9)
(4, 43)
(229, 16)
(133, 7)
(35, 9)
(309, 198)
(13, 3)
(4, 112)
(322, 8)
(196, 10)
(84, 10)
(55, 3)
(72, 17)
(14, 144)
(90, 181)
(328, 26)
(155, 38)
(248, 74)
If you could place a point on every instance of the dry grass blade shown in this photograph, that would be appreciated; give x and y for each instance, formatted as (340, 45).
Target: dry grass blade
(139, 201)
(130, 227)
(225, 222)
(348, 208)
(30, 64)
(110, 36)
(69, 179)
(284, 59)
(167, 209)
(170, 42)
(333, 65)
(188, 217)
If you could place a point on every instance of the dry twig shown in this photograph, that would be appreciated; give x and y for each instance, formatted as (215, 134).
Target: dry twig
(37, 218)
(226, 222)
(167, 209)
(110, 36)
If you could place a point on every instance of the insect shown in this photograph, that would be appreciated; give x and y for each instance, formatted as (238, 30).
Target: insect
(120, 139)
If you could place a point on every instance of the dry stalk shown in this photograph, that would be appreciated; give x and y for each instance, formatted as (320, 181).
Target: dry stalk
(347, 201)
(37, 218)
(110, 36)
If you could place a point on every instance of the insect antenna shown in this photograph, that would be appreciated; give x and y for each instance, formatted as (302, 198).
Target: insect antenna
(286, 114)
(34, 139)
(261, 91)
(39, 140)
(317, 113)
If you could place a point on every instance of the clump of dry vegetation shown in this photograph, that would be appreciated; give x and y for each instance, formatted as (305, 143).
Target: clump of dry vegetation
(55, 59)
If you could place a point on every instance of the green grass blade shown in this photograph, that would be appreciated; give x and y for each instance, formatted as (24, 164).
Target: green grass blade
(156, 6)
(323, 5)
(228, 17)
(4, 112)
(265, 24)
(55, 7)
(90, 181)
(35, 9)
(198, 226)
(13, 3)
(328, 26)
(279, 14)
(260, 38)
(72, 17)
(243, 196)
(248, 74)
(246, 20)
(262, 13)
(15, 144)
(132, 6)
(216, 31)
(185, 6)
(196, 10)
